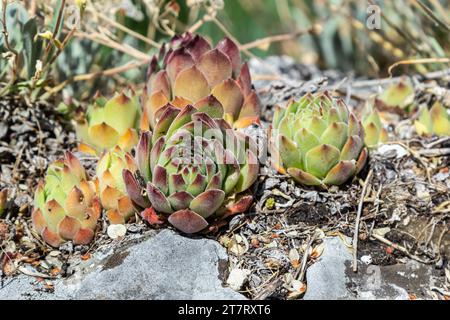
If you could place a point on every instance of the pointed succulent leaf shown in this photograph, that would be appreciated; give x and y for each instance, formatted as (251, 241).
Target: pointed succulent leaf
(160, 179)
(399, 94)
(228, 47)
(191, 84)
(134, 189)
(230, 96)
(335, 134)
(340, 173)
(183, 117)
(244, 80)
(305, 140)
(211, 106)
(69, 227)
(120, 113)
(216, 67)
(160, 83)
(440, 120)
(303, 177)
(319, 160)
(158, 199)
(290, 154)
(372, 134)
(352, 148)
(206, 203)
(83, 237)
(103, 135)
(178, 61)
(167, 117)
(249, 172)
(188, 221)
(362, 159)
(180, 200)
(143, 154)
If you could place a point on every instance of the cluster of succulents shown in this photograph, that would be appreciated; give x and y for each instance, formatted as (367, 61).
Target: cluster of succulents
(192, 165)
(192, 89)
(318, 141)
(188, 71)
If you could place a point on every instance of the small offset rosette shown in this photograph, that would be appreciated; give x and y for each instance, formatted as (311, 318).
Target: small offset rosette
(66, 207)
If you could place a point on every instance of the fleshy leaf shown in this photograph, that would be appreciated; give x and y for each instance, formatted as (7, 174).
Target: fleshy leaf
(191, 84)
(303, 177)
(216, 67)
(158, 199)
(319, 160)
(340, 173)
(206, 203)
(187, 221)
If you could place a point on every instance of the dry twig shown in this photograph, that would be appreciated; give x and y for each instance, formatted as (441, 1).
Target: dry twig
(358, 218)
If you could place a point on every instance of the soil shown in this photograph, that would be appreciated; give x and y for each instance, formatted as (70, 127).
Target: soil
(32, 136)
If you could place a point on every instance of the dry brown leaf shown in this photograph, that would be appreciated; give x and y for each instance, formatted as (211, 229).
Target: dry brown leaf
(86, 256)
(317, 251)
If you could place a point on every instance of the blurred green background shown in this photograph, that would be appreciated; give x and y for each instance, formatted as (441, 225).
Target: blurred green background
(332, 34)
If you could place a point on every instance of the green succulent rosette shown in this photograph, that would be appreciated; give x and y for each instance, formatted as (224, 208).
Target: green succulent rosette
(433, 121)
(108, 123)
(193, 168)
(111, 187)
(66, 207)
(317, 141)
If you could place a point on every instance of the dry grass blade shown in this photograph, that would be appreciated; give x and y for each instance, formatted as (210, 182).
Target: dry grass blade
(431, 14)
(358, 218)
(123, 28)
(281, 37)
(417, 61)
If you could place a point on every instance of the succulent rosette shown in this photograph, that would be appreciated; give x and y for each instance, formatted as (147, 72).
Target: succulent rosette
(193, 168)
(65, 204)
(374, 131)
(433, 121)
(398, 95)
(111, 187)
(317, 141)
(188, 71)
(108, 123)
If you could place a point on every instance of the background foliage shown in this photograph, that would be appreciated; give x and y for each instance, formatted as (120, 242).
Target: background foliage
(100, 44)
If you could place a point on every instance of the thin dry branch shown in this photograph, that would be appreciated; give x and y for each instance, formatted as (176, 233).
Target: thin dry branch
(417, 61)
(55, 30)
(281, 37)
(93, 75)
(106, 41)
(123, 28)
(10, 49)
(358, 218)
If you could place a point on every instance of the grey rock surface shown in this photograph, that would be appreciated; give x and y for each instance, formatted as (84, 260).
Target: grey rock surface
(332, 277)
(22, 287)
(166, 266)
(326, 279)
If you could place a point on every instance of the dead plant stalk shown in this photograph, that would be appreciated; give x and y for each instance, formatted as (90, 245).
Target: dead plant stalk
(358, 218)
